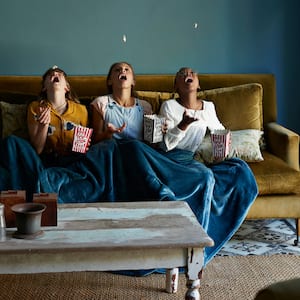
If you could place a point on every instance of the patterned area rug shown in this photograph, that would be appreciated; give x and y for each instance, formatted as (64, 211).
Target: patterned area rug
(263, 237)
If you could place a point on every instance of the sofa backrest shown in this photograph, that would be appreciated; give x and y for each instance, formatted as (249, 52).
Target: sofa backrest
(21, 89)
(90, 86)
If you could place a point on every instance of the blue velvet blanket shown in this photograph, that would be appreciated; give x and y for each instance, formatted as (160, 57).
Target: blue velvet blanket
(129, 170)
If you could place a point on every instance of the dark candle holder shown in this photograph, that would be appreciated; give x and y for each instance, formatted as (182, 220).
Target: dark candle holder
(28, 220)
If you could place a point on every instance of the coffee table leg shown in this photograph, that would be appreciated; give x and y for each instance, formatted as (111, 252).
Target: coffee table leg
(172, 280)
(194, 271)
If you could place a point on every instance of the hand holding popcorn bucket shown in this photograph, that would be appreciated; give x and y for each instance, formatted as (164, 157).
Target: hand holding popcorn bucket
(82, 136)
(220, 140)
(153, 128)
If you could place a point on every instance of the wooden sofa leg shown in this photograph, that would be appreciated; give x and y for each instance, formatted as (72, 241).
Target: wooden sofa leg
(296, 241)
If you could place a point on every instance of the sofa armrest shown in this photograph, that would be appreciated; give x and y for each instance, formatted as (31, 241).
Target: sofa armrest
(283, 143)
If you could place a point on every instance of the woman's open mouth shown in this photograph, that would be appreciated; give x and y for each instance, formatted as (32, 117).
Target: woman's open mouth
(55, 79)
(122, 77)
(188, 80)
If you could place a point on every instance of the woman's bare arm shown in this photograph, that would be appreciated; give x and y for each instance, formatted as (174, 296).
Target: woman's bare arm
(38, 128)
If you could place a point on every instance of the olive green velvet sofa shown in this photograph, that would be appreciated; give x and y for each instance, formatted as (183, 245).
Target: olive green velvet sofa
(243, 101)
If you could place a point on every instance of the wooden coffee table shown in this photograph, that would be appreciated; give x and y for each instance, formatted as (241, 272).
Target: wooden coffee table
(114, 236)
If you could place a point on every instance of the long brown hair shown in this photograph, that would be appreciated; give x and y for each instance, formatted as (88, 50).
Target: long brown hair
(70, 95)
(109, 86)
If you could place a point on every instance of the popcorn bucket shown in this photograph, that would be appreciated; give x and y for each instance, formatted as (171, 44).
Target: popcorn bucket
(81, 139)
(153, 128)
(220, 140)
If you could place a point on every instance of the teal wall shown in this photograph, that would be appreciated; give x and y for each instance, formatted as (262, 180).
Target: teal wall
(86, 37)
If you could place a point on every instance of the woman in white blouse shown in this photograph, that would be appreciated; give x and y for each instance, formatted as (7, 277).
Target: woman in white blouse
(232, 182)
(188, 116)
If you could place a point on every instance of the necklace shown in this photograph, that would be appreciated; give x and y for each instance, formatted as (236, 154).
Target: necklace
(60, 107)
(199, 105)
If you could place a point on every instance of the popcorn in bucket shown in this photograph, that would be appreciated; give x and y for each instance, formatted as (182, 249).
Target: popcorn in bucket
(220, 140)
(153, 128)
(81, 139)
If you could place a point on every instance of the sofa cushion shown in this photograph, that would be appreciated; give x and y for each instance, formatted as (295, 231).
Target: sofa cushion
(13, 119)
(86, 100)
(274, 176)
(151, 97)
(245, 144)
(16, 97)
(13, 112)
(238, 107)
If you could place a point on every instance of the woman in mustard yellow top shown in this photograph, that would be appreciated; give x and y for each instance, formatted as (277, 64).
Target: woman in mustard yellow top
(51, 123)
(52, 119)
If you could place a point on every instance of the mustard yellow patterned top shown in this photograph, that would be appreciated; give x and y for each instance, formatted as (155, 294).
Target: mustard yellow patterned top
(61, 127)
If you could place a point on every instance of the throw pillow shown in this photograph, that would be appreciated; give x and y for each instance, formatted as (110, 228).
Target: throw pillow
(245, 144)
(17, 97)
(13, 119)
(151, 97)
(238, 107)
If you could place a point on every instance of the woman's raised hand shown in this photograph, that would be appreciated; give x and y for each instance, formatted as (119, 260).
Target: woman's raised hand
(43, 116)
(186, 121)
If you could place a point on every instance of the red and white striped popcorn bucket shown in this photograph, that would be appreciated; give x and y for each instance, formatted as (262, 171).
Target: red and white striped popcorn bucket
(81, 139)
(220, 140)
